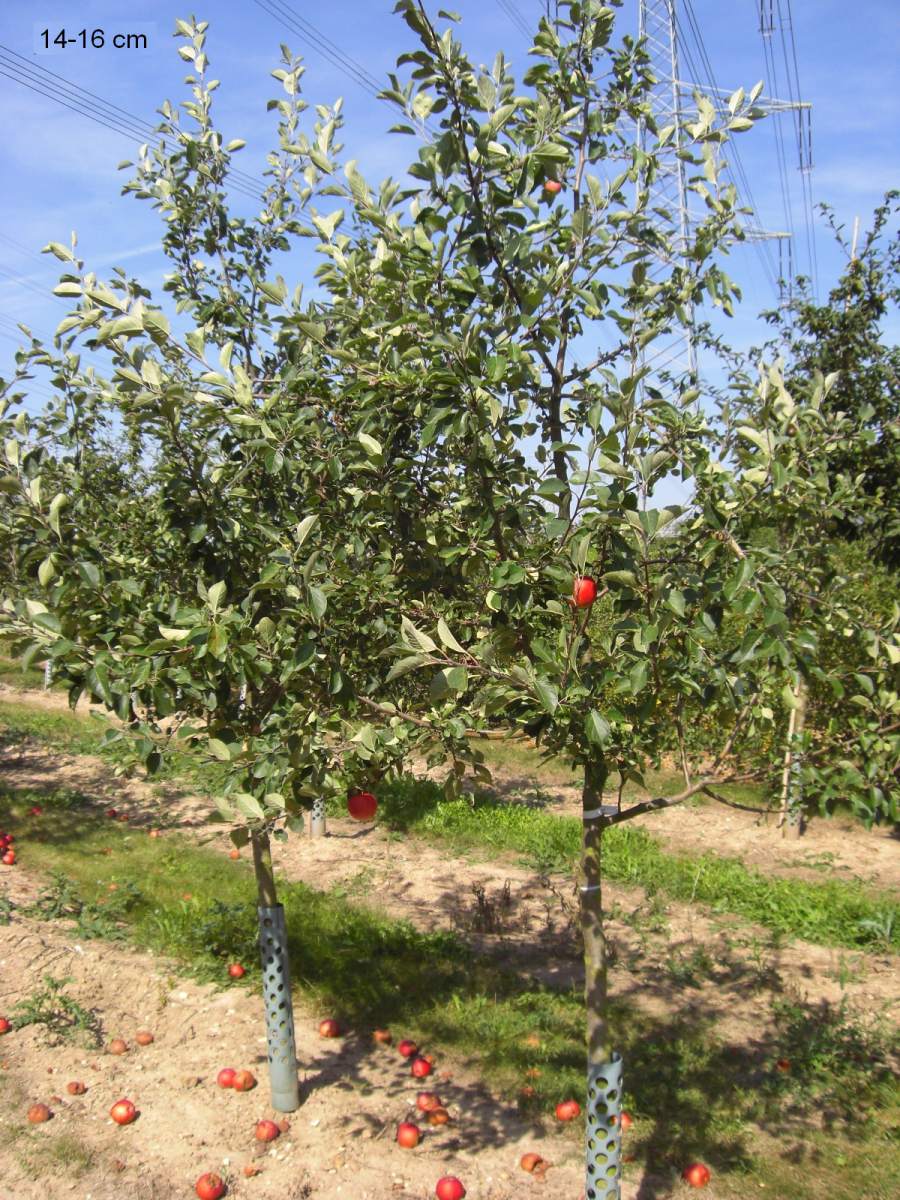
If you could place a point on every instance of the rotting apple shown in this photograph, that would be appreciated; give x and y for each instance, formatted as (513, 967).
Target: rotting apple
(266, 1131)
(76, 1088)
(38, 1113)
(528, 1162)
(382, 1036)
(408, 1135)
(696, 1175)
(439, 1116)
(449, 1188)
(123, 1112)
(143, 1037)
(567, 1110)
(117, 1046)
(428, 1101)
(210, 1186)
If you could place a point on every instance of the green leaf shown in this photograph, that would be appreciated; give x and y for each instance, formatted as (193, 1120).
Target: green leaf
(414, 637)
(215, 595)
(219, 750)
(175, 635)
(301, 533)
(46, 570)
(372, 447)
(547, 694)
(318, 602)
(597, 728)
(249, 806)
(447, 638)
(411, 663)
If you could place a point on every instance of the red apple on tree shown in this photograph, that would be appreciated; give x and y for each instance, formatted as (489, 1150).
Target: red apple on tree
(210, 1186)
(584, 591)
(696, 1175)
(408, 1135)
(362, 806)
(449, 1188)
(552, 187)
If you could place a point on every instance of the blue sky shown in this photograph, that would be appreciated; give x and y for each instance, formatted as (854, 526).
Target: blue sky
(59, 168)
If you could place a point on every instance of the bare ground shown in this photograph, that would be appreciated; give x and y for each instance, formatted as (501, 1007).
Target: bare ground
(341, 1141)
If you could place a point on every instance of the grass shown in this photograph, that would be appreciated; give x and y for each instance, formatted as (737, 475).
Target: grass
(832, 913)
(13, 673)
(692, 1094)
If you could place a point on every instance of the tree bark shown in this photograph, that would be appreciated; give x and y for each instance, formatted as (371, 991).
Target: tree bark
(595, 960)
(262, 865)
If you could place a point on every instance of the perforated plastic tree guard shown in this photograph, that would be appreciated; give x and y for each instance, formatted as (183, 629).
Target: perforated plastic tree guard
(317, 824)
(279, 1010)
(604, 1131)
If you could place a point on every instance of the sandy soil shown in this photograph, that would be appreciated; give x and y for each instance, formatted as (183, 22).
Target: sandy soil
(340, 1143)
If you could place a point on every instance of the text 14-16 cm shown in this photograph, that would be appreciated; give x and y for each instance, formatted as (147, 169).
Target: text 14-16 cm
(94, 39)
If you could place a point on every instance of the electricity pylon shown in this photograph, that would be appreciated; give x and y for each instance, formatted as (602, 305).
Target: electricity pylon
(658, 24)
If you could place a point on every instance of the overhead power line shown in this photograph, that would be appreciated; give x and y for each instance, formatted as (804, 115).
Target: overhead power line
(515, 16)
(87, 104)
(314, 37)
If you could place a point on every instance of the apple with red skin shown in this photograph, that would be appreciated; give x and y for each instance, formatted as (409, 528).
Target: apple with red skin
(117, 1046)
(5, 1025)
(421, 1067)
(428, 1101)
(112, 813)
(530, 1162)
(210, 1186)
(552, 187)
(35, 811)
(225, 1078)
(234, 854)
(624, 1121)
(329, 1028)
(9, 858)
(76, 1088)
(236, 971)
(362, 806)
(244, 1081)
(696, 1175)
(449, 1188)
(123, 1112)
(383, 1037)
(38, 1113)
(266, 1131)
(408, 1135)
(584, 591)
(408, 1049)
(439, 1116)
(144, 1037)
(567, 1110)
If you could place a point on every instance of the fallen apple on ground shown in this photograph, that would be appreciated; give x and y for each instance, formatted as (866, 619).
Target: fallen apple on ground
(408, 1048)
(236, 971)
(421, 1067)
(408, 1135)
(5, 1025)
(329, 1028)
(567, 1110)
(76, 1088)
(123, 1112)
(143, 1037)
(449, 1188)
(210, 1186)
(244, 1081)
(428, 1101)
(117, 1046)
(382, 1036)
(696, 1175)
(38, 1113)
(266, 1131)
(225, 1078)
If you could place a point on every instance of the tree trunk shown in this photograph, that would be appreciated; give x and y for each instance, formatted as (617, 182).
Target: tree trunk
(283, 1082)
(791, 819)
(604, 1066)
